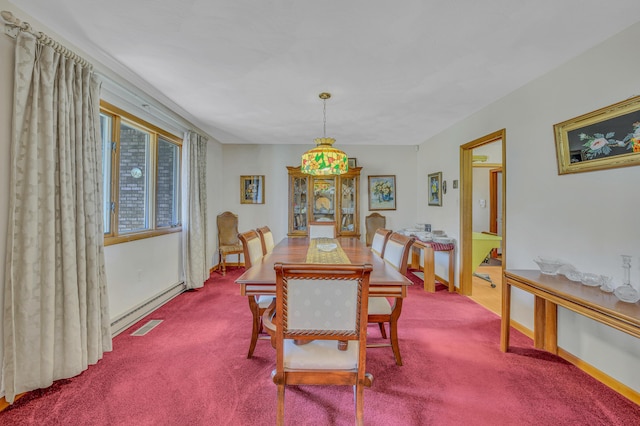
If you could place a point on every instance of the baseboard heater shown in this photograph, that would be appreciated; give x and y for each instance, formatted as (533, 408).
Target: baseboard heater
(129, 318)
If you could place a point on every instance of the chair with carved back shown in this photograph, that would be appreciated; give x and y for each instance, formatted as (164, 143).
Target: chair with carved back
(320, 229)
(381, 310)
(320, 339)
(372, 223)
(266, 237)
(380, 240)
(228, 242)
(252, 249)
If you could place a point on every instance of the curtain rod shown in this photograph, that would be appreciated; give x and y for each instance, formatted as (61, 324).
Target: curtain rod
(14, 25)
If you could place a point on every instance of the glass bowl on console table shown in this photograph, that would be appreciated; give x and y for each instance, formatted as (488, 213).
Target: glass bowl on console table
(549, 265)
(627, 293)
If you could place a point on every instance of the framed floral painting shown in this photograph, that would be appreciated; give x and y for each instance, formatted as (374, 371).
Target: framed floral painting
(251, 189)
(434, 181)
(602, 139)
(382, 192)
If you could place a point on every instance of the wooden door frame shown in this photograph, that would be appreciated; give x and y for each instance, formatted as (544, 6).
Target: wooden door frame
(466, 205)
(493, 203)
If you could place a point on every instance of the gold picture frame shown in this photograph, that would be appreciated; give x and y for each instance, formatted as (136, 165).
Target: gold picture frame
(434, 189)
(252, 189)
(602, 139)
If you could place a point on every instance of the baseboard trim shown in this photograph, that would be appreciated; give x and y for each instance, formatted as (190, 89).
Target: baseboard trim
(603, 378)
(129, 318)
(218, 267)
(609, 381)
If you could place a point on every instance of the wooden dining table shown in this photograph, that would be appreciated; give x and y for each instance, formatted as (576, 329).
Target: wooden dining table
(384, 281)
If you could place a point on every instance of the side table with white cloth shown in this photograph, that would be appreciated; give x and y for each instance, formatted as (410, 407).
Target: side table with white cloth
(429, 243)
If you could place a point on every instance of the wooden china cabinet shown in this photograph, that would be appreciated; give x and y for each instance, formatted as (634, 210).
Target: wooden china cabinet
(324, 198)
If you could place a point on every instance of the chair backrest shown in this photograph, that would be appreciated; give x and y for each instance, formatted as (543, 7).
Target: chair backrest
(372, 223)
(396, 251)
(252, 247)
(322, 302)
(322, 229)
(227, 229)
(266, 237)
(380, 241)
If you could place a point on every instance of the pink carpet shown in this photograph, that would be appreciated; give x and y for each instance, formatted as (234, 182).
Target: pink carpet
(192, 370)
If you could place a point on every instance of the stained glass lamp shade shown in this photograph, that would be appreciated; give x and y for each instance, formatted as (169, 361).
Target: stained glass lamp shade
(324, 159)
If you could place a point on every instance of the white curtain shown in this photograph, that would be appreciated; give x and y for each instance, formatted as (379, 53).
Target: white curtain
(56, 313)
(194, 223)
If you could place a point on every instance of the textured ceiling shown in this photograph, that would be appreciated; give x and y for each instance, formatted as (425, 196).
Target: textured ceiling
(399, 72)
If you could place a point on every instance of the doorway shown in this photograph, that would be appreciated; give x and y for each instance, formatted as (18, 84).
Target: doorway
(468, 203)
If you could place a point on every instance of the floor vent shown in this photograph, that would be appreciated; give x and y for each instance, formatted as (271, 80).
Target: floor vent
(146, 328)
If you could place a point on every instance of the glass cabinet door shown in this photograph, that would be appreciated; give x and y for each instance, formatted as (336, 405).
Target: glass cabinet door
(324, 199)
(299, 203)
(348, 204)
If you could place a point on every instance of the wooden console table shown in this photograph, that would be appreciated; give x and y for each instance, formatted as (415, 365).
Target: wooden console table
(553, 291)
(429, 263)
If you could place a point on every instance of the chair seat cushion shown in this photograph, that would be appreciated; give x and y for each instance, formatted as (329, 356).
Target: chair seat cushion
(379, 306)
(231, 249)
(320, 355)
(265, 301)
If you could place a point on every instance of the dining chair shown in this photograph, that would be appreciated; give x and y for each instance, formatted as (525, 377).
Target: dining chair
(372, 223)
(228, 242)
(266, 237)
(320, 229)
(252, 249)
(381, 310)
(380, 240)
(321, 329)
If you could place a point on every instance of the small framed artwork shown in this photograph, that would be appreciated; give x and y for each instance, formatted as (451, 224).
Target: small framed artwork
(352, 162)
(251, 189)
(382, 192)
(435, 189)
(602, 139)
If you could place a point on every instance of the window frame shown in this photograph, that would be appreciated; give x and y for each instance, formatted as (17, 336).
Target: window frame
(118, 116)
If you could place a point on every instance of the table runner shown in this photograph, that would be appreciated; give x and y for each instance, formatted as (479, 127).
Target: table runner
(315, 255)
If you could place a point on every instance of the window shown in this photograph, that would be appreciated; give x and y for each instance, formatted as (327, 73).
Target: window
(141, 167)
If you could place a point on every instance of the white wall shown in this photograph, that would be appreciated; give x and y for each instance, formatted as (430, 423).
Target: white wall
(481, 192)
(589, 219)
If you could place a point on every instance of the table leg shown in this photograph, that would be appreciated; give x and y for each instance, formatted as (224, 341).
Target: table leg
(429, 269)
(393, 329)
(452, 260)
(539, 315)
(551, 327)
(505, 324)
(255, 313)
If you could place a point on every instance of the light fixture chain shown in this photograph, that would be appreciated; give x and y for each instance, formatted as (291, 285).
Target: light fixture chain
(324, 112)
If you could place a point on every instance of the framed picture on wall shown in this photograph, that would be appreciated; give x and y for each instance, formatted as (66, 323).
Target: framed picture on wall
(602, 139)
(434, 181)
(382, 192)
(251, 189)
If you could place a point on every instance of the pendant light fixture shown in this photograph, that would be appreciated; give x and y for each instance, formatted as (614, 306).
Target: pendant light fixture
(324, 159)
